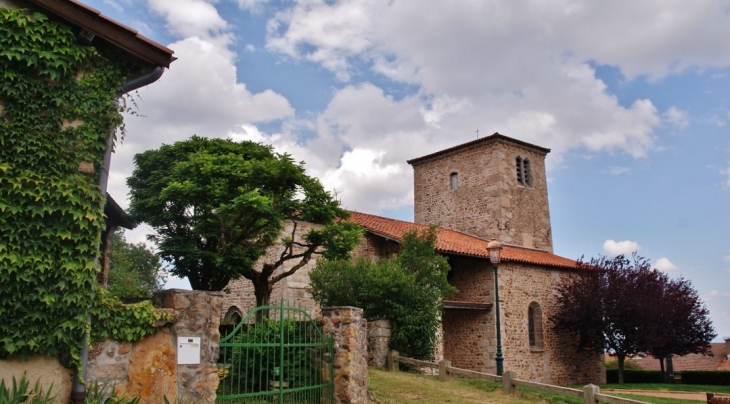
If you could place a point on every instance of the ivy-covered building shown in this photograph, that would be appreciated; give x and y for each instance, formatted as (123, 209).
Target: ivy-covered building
(64, 71)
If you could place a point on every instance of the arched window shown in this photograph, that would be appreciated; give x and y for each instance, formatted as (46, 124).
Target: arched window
(233, 316)
(524, 171)
(534, 325)
(527, 172)
(454, 181)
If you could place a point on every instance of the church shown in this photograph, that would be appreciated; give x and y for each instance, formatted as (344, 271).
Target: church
(492, 187)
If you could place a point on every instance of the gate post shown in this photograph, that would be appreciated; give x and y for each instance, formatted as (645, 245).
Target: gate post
(347, 327)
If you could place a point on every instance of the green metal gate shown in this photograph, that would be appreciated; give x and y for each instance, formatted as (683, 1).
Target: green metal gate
(283, 358)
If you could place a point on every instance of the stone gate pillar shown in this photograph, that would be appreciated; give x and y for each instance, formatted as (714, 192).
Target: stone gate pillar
(197, 314)
(348, 328)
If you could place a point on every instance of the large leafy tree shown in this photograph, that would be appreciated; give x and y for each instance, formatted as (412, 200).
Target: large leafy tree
(681, 326)
(134, 270)
(622, 306)
(407, 288)
(217, 205)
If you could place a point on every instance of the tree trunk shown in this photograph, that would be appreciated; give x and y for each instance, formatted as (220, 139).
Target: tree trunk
(262, 291)
(661, 366)
(621, 368)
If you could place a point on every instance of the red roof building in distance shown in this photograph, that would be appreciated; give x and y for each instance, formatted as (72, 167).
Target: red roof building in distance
(719, 360)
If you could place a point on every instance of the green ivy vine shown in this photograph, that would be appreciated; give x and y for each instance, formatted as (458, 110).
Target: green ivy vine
(56, 110)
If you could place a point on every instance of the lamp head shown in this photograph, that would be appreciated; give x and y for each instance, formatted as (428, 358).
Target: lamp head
(495, 250)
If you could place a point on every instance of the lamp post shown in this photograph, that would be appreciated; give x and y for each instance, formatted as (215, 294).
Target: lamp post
(495, 250)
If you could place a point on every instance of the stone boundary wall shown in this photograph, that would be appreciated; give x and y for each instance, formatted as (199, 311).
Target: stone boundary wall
(348, 328)
(379, 332)
(146, 368)
(149, 369)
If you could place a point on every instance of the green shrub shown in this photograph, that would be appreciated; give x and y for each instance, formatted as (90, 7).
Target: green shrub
(407, 288)
(122, 322)
(711, 377)
(19, 393)
(634, 376)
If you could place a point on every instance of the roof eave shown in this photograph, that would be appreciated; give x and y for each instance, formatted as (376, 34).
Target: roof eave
(495, 137)
(114, 32)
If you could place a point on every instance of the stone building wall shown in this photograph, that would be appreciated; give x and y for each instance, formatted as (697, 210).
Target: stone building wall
(489, 201)
(556, 362)
(293, 289)
(467, 334)
(470, 336)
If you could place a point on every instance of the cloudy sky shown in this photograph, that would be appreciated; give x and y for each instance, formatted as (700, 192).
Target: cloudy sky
(632, 97)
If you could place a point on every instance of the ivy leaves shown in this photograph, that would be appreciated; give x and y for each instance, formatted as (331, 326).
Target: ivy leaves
(55, 112)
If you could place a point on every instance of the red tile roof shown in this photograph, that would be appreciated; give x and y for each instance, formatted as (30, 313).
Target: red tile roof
(454, 242)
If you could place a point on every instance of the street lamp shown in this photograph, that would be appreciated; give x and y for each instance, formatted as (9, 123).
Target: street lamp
(495, 250)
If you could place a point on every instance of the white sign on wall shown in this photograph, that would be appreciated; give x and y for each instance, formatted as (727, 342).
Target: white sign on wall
(188, 350)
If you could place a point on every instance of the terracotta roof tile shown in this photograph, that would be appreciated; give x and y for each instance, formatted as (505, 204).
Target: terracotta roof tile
(454, 242)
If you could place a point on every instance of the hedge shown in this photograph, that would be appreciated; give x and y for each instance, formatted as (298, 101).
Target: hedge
(711, 377)
(634, 376)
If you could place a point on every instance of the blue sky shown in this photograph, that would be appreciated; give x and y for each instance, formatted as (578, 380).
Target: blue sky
(633, 98)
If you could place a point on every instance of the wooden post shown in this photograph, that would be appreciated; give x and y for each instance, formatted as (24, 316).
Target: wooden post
(392, 361)
(589, 394)
(443, 376)
(507, 385)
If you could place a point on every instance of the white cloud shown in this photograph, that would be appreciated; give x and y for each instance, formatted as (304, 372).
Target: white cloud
(249, 48)
(191, 18)
(726, 258)
(251, 5)
(619, 170)
(676, 117)
(199, 94)
(521, 81)
(665, 265)
(715, 294)
(653, 38)
(725, 172)
(620, 247)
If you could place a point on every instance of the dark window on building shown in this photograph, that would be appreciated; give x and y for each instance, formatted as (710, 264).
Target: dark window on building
(534, 325)
(454, 181)
(524, 171)
(527, 172)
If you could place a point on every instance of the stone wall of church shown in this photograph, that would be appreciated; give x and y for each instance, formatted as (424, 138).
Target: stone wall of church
(556, 362)
(488, 201)
(470, 337)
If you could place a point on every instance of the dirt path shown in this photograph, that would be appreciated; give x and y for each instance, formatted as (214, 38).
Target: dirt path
(683, 395)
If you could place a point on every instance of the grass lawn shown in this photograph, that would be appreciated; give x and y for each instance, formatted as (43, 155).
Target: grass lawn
(667, 387)
(406, 388)
(410, 388)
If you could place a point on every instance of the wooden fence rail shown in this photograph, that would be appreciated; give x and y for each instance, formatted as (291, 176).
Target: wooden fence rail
(591, 394)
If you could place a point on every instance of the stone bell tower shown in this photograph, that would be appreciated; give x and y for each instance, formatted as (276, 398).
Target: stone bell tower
(490, 187)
